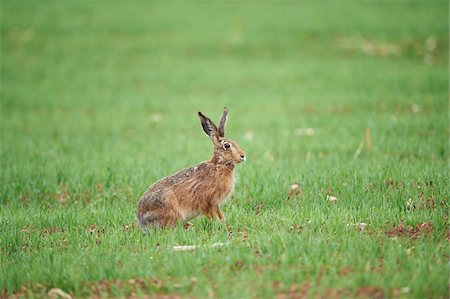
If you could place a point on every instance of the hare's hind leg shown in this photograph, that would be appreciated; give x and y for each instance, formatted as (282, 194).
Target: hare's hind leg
(148, 219)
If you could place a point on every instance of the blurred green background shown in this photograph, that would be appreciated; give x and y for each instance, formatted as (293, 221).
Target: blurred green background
(82, 81)
(99, 100)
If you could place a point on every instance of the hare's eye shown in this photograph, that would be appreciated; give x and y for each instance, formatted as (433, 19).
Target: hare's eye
(226, 145)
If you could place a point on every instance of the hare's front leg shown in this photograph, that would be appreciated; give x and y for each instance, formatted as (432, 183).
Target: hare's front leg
(213, 212)
(219, 214)
(209, 213)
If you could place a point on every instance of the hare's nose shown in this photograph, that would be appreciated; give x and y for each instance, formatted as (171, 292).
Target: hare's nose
(242, 157)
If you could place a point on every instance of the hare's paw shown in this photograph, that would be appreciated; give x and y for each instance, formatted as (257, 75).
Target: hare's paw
(219, 214)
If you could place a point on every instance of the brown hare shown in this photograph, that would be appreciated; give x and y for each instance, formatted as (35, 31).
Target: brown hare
(200, 189)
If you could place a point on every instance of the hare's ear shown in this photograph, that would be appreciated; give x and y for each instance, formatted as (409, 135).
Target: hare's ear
(209, 127)
(223, 120)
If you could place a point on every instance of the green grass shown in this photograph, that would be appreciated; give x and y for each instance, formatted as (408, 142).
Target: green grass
(99, 100)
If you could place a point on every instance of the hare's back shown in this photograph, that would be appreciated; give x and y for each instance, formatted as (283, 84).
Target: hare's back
(156, 194)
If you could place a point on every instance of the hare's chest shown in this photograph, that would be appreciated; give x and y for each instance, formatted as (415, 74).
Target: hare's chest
(227, 189)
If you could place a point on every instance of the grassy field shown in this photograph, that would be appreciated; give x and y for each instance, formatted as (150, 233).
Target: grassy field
(99, 100)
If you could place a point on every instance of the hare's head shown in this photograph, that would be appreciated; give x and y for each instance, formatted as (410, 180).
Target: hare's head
(226, 151)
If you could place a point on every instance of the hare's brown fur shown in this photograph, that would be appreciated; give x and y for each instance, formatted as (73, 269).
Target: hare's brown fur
(196, 190)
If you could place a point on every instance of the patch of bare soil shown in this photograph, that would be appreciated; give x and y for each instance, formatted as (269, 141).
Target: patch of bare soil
(296, 292)
(333, 294)
(397, 231)
(155, 296)
(140, 288)
(302, 292)
(410, 231)
(370, 292)
(22, 292)
(344, 271)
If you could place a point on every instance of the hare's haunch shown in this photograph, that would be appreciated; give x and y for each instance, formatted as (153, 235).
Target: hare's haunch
(196, 190)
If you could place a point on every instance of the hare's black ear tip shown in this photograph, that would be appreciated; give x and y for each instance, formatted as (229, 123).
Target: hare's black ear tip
(200, 114)
(225, 109)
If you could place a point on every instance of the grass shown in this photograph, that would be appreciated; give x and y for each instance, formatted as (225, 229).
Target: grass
(99, 100)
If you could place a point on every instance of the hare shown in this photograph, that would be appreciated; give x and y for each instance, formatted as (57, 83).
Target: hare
(200, 189)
